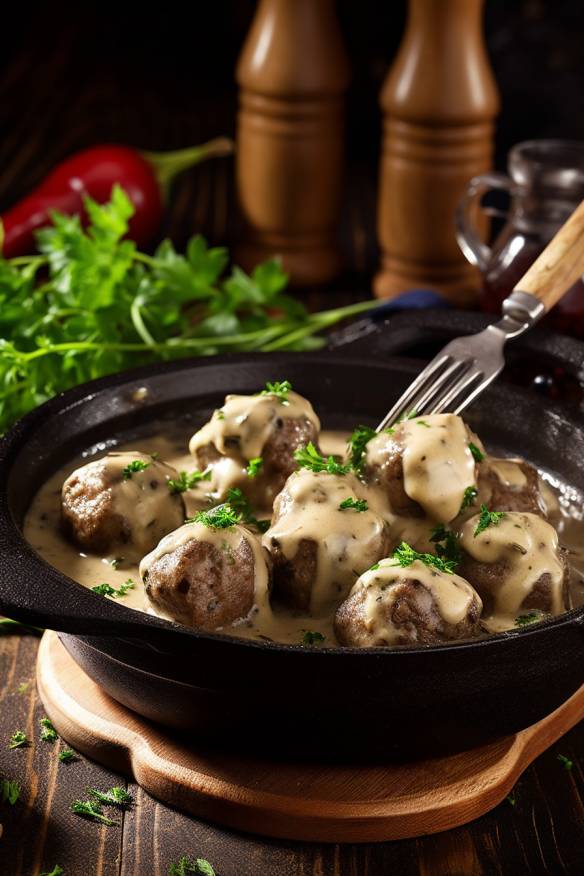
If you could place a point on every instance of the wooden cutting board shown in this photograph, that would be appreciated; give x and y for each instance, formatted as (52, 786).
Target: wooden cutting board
(301, 801)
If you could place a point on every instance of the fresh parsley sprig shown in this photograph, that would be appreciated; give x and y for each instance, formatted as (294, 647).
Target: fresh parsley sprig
(477, 453)
(309, 457)
(254, 466)
(279, 389)
(18, 740)
(135, 466)
(357, 444)
(187, 480)
(91, 304)
(350, 504)
(56, 871)
(67, 755)
(92, 810)
(488, 518)
(241, 504)
(223, 516)
(468, 498)
(404, 555)
(530, 617)
(106, 589)
(312, 637)
(117, 796)
(9, 791)
(187, 866)
(48, 732)
(446, 544)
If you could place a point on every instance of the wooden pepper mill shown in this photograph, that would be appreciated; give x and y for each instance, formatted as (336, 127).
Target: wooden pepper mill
(439, 102)
(292, 73)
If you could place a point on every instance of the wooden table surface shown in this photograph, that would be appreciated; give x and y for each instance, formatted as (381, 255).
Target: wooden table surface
(44, 118)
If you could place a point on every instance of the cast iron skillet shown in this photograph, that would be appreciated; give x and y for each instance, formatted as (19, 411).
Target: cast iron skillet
(369, 703)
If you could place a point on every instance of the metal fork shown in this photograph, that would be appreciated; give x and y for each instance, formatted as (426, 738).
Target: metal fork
(467, 365)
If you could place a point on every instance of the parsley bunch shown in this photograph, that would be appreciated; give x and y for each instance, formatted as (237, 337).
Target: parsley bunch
(404, 555)
(91, 304)
(309, 457)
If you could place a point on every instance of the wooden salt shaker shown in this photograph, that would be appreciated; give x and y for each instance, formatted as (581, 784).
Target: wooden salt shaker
(439, 102)
(292, 74)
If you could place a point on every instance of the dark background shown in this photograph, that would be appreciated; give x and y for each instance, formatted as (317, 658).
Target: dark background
(161, 76)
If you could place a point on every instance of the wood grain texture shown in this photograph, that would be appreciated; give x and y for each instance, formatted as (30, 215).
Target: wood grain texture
(300, 801)
(560, 265)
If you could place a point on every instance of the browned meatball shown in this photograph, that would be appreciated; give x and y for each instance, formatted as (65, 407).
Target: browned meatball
(207, 578)
(120, 503)
(516, 564)
(317, 547)
(424, 465)
(417, 605)
(511, 485)
(261, 427)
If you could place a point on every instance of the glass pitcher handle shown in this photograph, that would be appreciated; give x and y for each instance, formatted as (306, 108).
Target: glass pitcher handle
(473, 248)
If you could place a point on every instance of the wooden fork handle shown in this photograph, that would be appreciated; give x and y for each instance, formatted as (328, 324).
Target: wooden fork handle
(560, 265)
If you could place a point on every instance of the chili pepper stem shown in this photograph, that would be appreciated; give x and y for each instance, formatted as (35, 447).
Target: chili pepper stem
(167, 165)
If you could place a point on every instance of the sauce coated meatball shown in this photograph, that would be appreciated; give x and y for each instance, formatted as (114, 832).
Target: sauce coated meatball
(207, 578)
(511, 485)
(516, 564)
(266, 427)
(424, 465)
(390, 605)
(120, 504)
(317, 547)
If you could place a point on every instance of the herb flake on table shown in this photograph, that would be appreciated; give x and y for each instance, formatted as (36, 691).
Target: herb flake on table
(187, 480)
(18, 740)
(9, 791)
(56, 871)
(92, 810)
(309, 457)
(90, 304)
(350, 504)
(187, 866)
(488, 518)
(67, 755)
(117, 796)
(48, 732)
(566, 762)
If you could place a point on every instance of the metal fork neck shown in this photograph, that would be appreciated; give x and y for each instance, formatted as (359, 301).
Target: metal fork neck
(521, 310)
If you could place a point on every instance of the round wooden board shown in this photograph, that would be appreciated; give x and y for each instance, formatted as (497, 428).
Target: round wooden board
(301, 801)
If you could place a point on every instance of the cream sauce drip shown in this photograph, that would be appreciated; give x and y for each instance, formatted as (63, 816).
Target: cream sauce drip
(438, 465)
(260, 613)
(347, 541)
(527, 547)
(242, 426)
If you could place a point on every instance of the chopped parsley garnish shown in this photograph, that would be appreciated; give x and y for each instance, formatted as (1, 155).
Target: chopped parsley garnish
(423, 423)
(280, 389)
(565, 761)
(310, 637)
(374, 567)
(134, 466)
(219, 414)
(67, 755)
(186, 866)
(9, 791)
(354, 505)
(56, 871)
(91, 809)
(187, 480)
(240, 503)
(407, 415)
(357, 444)
(18, 740)
(512, 798)
(405, 555)
(309, 457)
(476, 452)
(488, 518)
(254, 466)
(468, 498)
(531, 617)
(23, 687)
(48, 732)
(221, 517)
(446, 544)
(107, 590)
(114, 797)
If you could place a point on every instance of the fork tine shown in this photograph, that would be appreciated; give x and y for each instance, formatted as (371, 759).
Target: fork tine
(425, 403)
(421, 381)
(477, 390)
(464, 382)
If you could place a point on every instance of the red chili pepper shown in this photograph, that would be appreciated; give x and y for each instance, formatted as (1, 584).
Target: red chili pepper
(144, 176)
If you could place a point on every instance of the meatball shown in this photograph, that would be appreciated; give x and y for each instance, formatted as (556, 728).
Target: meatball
(425, 465)
(207, 578)
(516, 564)
(266, 427)
(318, 547)
(511, 485)
(120, 504)
(416, 605)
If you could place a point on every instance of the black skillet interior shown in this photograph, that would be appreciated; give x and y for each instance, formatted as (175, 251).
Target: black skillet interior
(217, 685)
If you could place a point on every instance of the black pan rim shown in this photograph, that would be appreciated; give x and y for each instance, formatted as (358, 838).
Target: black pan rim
(84, 393)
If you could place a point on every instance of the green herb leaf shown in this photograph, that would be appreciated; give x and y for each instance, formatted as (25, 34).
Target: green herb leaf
(66, 755)
(186, 866)
(56, 871)
(221, 517)
(476, 452)
(9, 791)
(357, 444)
(107, 590)
(423, 423)
(405, 555)
(488, 518)
(446, 544)
(117, 796)
(92, 810)
(354, 505)
(18, 740)
(187, 480)
(254, 466)
(512, 798)
(531, 617)
(240, 503)
(310, 637)
(279, 389)
(48, 732)
(468, 498)
(309, 457)
(374, 567)
(566, 762)
(134, 466)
